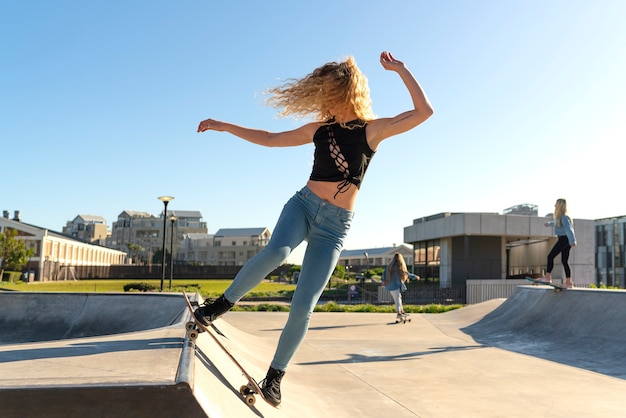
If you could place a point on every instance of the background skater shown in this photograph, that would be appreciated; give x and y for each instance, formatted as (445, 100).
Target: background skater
(394, 277)
(564, 230)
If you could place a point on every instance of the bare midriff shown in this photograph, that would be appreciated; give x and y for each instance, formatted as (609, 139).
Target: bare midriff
(328, 191)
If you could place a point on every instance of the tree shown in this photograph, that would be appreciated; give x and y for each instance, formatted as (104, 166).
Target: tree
(13, 252)
(340, 272)
(134, 249)
(157, 258)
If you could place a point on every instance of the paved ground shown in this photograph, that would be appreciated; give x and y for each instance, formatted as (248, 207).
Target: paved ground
(539, 353)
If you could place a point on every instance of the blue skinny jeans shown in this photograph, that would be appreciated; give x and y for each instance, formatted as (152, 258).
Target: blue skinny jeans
(324, 226)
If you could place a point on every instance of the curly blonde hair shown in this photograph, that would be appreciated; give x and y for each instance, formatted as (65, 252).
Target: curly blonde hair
(331, 86)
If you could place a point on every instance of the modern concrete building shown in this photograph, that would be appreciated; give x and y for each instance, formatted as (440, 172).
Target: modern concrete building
(457, 247)
(55, 254)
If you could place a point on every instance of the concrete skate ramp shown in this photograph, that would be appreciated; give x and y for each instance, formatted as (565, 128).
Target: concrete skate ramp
(578, 327)
(128, 356)
(96, 355)
(32, 317)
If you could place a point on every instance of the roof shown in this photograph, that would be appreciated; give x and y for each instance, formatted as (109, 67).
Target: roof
(371, 252)
(26, 227)
(240, 232)
(135, 213)
(91, 219)
(185, 213)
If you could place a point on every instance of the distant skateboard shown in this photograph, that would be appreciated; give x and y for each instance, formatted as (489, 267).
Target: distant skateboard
(194, 328)
(404, 318)
(556, 288)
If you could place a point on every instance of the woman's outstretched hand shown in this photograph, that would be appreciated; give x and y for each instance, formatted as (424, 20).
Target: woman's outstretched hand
(210, 125)
(389, 62)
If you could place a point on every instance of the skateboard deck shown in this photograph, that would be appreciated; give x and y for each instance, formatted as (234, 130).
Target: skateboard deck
(403, 318)
(556, 288)
(194, 328)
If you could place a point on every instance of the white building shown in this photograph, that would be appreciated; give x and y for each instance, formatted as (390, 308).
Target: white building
(56, 254)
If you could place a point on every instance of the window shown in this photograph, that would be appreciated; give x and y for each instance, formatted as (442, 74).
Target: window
(427, 253)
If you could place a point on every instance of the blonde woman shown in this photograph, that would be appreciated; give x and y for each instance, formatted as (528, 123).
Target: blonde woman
(394, 277)
(564, 229)
(346, 135)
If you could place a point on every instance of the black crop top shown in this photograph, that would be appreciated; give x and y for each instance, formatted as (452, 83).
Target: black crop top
(341, 154)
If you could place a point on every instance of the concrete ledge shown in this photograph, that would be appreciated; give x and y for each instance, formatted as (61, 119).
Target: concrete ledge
(94, 354)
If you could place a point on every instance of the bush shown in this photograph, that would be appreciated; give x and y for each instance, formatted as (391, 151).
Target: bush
(139, 287)
(187, 287)
(262, 307)
(11, 276)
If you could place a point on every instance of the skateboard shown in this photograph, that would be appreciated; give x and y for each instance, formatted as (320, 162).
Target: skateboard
(556, 288)
(194, 328)
(403, 318)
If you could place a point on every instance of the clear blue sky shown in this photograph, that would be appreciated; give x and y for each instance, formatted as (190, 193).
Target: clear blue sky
(99, 104)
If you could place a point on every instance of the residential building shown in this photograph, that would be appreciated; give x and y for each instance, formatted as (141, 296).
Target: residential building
(56, 255)
(227, 247)
(140, 234)
(90, 228)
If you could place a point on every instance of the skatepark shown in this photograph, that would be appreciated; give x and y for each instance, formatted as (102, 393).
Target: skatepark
(537, 353)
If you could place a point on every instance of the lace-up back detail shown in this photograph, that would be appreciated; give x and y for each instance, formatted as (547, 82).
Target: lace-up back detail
(341, 154)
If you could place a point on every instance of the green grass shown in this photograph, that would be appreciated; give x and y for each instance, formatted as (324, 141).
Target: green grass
(432, 308)
(213, 289)
(336, 307)
(207, 288)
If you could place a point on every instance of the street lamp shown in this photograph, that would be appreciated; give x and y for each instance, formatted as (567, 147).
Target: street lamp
(165, 200)
(172, 220)
(367, 265)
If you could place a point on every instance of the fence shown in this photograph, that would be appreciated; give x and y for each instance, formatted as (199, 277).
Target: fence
(472, 292)
(483, 290)
(426, 294)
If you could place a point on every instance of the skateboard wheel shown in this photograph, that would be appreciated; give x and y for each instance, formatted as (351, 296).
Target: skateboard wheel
(190, 325)
(192, 334)
(250, 399)
(243, 390)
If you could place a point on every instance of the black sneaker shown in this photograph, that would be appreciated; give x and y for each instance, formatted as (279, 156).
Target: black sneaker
(270, 386)
(210, 311)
